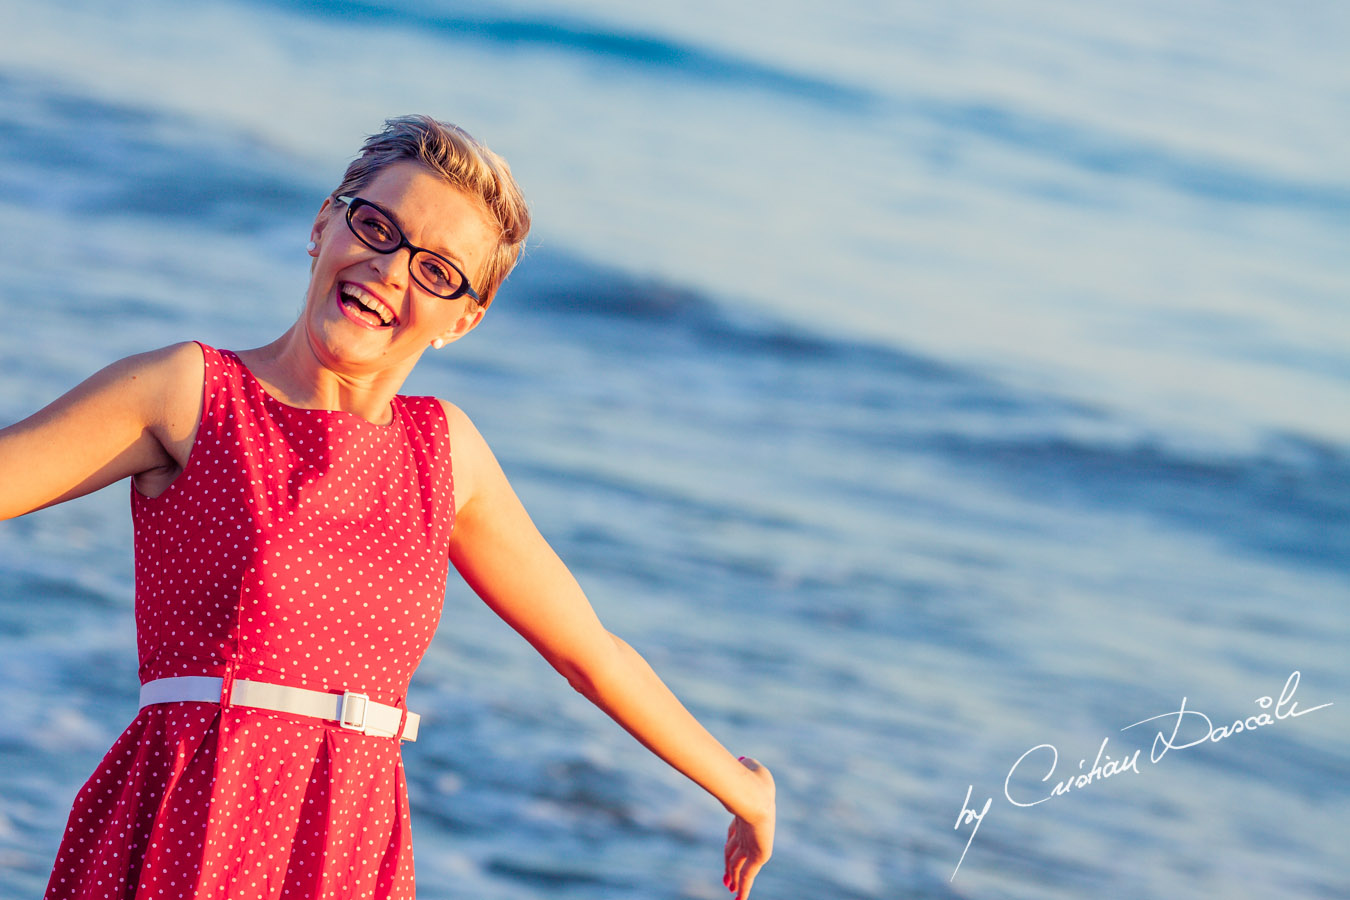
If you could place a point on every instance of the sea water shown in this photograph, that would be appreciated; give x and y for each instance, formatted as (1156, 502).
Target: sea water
(919, 387)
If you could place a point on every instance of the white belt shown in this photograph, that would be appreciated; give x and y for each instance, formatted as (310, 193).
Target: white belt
(353, 711)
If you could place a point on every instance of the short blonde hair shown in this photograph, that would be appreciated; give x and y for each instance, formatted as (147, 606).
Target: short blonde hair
(452, 153)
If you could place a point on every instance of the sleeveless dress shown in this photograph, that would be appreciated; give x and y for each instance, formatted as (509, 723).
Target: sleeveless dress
(299, 547)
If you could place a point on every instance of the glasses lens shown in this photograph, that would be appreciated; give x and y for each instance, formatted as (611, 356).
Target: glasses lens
(436, 274)
(374, 228)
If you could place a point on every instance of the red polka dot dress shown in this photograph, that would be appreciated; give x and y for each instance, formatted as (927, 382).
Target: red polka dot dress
(306, 548)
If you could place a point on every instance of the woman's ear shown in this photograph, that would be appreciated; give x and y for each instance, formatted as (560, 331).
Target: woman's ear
(321, 220)
(473, 314)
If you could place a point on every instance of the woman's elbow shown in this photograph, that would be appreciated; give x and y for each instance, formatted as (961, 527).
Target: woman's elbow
(578, 678)
(587, 676)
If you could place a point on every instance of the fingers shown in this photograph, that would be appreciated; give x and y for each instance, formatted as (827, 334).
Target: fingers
(734, 878)
(731, 864)
(741, 876)
(732, 856)
(741, 865)
(747, 879)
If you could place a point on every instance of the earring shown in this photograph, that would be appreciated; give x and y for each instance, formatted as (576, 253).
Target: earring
(311, 246)
(438, 343)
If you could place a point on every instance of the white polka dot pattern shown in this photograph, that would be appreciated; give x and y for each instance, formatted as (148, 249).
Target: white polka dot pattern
(300, 547)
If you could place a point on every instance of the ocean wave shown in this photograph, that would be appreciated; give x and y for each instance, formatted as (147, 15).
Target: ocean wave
(76, 154)
(652, 52)
(1291, 499)
(63, 151)
(1076, 145)
(551, 282)
(1101, 152)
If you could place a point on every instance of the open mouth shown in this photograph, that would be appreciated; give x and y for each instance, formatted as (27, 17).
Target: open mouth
(365, 307)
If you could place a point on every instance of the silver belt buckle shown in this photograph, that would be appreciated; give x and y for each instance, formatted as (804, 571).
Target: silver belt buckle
(344, 721)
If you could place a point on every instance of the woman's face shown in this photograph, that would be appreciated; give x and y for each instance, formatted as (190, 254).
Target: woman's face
(363, 311)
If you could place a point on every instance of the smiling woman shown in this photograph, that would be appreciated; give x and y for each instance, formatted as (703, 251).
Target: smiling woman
(295, 518)
(400, 302)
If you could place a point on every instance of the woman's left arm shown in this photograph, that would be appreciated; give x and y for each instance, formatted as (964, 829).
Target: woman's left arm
(503, 557)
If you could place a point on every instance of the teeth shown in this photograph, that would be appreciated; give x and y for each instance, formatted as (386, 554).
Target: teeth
(369, 301)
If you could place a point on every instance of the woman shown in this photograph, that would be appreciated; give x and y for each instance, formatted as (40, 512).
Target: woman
(294, 521)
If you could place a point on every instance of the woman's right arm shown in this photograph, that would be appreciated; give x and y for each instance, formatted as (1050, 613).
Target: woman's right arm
(137, 417)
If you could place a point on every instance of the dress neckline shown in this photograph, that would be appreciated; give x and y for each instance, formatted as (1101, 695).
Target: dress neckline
(339, 414)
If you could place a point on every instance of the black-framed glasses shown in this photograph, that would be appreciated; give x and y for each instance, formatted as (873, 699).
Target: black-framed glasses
(433, 273)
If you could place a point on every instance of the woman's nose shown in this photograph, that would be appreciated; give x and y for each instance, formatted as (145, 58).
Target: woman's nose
(392, 268)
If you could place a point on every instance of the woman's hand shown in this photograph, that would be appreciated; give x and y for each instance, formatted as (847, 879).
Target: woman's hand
(750, 843)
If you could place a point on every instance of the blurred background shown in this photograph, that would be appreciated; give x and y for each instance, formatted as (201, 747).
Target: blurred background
(913, 384)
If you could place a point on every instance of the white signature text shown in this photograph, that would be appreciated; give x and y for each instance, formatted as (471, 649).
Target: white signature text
(1189, 728)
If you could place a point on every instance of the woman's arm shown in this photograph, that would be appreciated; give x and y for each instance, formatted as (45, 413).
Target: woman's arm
(137, 417)
(500, 553)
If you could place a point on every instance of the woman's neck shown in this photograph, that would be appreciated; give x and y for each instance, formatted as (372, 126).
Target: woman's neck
(294, 372)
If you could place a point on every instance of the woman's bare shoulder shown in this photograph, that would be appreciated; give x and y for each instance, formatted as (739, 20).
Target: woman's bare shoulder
(133, 416)
(182, 366)
(474, 464)
(460, 426)
(142, 387)
(169, 371)
(176, 361)
(168, 384)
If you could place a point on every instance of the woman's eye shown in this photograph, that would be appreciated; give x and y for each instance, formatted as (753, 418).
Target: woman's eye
(377, 228)
(439, 274)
